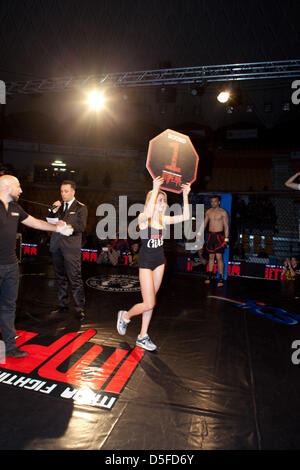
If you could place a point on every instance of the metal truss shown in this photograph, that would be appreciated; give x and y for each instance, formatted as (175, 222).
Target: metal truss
(163, 77)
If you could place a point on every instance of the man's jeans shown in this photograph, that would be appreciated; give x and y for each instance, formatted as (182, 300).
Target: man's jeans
(9, 286)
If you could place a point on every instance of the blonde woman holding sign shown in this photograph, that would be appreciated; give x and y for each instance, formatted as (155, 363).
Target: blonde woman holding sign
(151, 258)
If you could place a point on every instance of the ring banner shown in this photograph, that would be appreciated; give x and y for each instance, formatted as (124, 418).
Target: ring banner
(226, 201)
(172, 156)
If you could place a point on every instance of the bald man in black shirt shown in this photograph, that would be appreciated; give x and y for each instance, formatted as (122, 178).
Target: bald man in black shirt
(10, 216)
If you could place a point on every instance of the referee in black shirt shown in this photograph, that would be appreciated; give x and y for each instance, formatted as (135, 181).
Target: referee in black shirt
(10, 215)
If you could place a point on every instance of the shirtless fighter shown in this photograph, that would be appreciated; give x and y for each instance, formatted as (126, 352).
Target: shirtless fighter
(217, 239)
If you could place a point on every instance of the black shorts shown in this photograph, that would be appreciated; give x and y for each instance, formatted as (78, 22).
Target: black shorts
(215, 243)
(151, 261)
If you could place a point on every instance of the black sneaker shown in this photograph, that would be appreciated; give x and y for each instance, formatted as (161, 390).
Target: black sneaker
(16, 352)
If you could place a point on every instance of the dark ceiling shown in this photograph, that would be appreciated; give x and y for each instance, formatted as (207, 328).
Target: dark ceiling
(52, 38)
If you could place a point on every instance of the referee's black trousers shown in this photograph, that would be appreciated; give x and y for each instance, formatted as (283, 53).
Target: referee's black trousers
(67, 266)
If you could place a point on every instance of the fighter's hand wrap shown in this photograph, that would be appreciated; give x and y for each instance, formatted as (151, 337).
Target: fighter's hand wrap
(66, 230)
(226, 241)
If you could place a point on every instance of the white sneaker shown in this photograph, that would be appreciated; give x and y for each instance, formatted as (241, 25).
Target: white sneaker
(145, 343)
(122, 323)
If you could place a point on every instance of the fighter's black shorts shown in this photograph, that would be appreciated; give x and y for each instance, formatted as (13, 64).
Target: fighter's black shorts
(215, 242)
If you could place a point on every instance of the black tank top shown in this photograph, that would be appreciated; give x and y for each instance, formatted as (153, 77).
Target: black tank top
(151, 240)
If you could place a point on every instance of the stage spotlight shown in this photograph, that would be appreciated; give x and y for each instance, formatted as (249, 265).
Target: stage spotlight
(223, 96)
(96, 100)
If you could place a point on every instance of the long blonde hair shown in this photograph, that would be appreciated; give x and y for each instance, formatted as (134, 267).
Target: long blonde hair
(147, 200)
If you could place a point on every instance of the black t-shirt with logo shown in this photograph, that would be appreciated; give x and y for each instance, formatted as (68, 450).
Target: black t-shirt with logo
(9, 221)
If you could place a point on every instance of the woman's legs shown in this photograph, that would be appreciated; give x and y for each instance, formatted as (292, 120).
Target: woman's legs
(148, 295)
(150, 282)
(157, 276)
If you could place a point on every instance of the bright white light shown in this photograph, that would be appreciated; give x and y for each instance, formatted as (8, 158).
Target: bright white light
(223, 97)
(58, 163)
(95, 100)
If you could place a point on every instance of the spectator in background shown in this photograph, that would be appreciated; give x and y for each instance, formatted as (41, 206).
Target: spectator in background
(291, 269)
(200, 258)
(133, 256)
(119, 245)
(108, 255)
(291, 272)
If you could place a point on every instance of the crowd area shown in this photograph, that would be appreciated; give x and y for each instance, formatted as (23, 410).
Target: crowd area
(118, 251)
(113, 252)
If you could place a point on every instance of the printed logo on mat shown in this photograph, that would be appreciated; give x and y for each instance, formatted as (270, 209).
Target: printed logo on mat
(71, 368)
(275, 314)
(115, 283)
